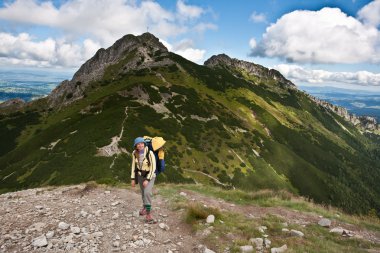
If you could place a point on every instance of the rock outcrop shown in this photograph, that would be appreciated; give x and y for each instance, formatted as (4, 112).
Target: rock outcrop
(134, 52)
(364, 123)
(223, 60)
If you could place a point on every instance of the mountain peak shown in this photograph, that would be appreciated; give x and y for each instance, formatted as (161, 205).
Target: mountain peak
(235, 65)
(140, 50)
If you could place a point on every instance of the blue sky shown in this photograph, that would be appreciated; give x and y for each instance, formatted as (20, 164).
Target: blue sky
(313, 43)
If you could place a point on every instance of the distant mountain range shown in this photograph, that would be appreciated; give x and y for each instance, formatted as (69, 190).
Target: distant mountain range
(229, 123)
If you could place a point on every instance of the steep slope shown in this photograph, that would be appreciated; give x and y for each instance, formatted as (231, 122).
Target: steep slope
(229, 123)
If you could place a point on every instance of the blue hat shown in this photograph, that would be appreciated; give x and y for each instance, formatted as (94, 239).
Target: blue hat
(138, 140)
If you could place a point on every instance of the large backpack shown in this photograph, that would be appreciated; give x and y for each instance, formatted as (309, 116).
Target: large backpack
(155, 144)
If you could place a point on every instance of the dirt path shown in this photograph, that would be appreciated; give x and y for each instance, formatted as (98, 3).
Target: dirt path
(106, 218)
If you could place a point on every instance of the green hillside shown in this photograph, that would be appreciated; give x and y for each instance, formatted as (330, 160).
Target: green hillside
(224, 126)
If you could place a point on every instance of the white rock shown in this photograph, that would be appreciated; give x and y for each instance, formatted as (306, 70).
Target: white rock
(107, 192)
(49, 234)
(115, 203)
(210, 218)
(296, 233)
(63, 225)
(183, 194)
(116, 244)
(324, 222)
(75, 230)
(246, 248)
(283, 248)
(163, 226)
(39, 207)
(206, 250)
(257, 241)
(267, 243)
(285, 230)
(40, 241)
(115, 216)
(337, 230)
(83, 213)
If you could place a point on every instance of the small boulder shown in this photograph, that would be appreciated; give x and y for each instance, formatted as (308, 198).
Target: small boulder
(210, 219)
(324, 222)
(63, 225)
(40, 241)
(296, 233)
(75, 230)
(337, 230)
(258, 242)
(246, 248)
(282, 249)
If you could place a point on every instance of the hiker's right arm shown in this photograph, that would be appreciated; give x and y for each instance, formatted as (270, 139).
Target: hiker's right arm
(133, 183)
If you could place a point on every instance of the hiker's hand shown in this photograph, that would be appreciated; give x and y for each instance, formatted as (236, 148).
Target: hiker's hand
(133, 183)
(145, 183)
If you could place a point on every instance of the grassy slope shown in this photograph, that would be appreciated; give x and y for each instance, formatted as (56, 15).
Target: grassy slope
(302, 147)
(234, 226)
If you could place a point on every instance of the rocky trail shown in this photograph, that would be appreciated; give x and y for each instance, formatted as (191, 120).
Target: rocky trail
(90, 218)
(80, 219)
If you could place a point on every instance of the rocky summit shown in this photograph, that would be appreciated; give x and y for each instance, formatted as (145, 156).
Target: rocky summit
(228, 123)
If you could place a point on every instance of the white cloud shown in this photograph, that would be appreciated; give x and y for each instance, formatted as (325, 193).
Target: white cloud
(370, 14)
(324, 36)
(202, 27)
(23, 50)
(97, 23)
(188, 11)
(186, 49)
(258, 17)
(252, 43)
(298, 75)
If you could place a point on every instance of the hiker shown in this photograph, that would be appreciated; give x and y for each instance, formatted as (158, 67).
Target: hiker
(144, 173)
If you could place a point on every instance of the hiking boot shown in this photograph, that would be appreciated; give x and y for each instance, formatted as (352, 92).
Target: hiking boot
(143, 212)
(149, 219)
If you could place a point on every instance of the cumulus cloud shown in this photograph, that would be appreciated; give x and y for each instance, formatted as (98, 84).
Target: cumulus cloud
(188, 11)
(370, 14)
(299, 74)
(186, 49)
(324, 36)
(89, 25)
(258, 17)
(23, 50)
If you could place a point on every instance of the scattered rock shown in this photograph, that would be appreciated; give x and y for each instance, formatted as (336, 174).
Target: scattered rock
(40, 241)
(183, 194)
(258, 242)
(337, 230)
(267, 243)
(246, 248)
(163, 226)
(283, 248)
(210, 218)
(206, 250)
(63, 225)
(49, 234)
(324, 222)
(75, 230)
(296, 233)
(115, 203)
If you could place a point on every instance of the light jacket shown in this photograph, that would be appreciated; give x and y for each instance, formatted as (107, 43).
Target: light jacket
(146, 170)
